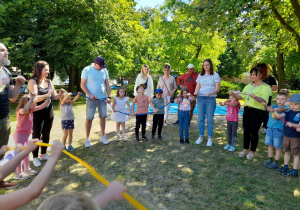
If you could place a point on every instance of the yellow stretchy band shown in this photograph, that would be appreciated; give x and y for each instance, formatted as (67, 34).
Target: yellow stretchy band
(92, 171)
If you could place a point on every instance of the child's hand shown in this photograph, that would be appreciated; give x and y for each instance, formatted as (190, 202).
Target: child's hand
(18, 147)
(115, 190)
(70, 94)
(269, 109)
(57, 148)
(289, 124)
(114, 110)
(298, 130)
(61, 91)
(79, 93)
(188, 94)
(155, 110)
(31, 145)
(3, 150)
(178, 96)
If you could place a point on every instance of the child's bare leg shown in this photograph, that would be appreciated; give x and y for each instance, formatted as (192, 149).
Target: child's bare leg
(287, 156)
(65, 131)
(296, 162)
(278, 153)
(70, 131)
(118, 128)
(270, 151)
(123, 128)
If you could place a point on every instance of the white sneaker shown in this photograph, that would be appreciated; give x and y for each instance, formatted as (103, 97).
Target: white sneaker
(21, 176)
(199, 140)
(31, 172)
(44, 157)
(36, 162)
(104, 140)
(87, 143)
(118, 137)
(209, 142)
(148, 124)
(165, 124)
(124, 137)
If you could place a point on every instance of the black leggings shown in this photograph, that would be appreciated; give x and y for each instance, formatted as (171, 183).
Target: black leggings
(42, 124)
(252, 120)
(140, 119)
(158, 119)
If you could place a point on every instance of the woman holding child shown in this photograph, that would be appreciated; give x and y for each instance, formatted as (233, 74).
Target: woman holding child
(168, 84)
(42, 119)
(253, 94)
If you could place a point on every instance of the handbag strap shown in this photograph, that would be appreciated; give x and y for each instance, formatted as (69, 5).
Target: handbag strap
(165, 85)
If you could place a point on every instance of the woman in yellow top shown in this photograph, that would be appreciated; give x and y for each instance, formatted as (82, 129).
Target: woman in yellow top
(254, 110)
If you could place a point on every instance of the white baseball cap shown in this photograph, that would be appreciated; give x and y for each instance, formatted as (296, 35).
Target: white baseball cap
(190, 66)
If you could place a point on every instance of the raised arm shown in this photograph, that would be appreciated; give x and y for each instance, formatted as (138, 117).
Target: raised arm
(76, 98)
(42, 106)
(26, 108)
(15, 90)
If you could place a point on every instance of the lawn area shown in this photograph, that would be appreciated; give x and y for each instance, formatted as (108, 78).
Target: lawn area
(167, 175)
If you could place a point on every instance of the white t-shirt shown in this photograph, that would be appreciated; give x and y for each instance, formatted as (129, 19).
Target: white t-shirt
(207, 83)
(95, 80)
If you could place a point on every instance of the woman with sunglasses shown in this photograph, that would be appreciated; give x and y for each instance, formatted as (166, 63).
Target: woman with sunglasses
(169, 86)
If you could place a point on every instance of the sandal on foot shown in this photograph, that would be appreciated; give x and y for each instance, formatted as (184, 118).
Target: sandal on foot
(250, 156)
(242, 154)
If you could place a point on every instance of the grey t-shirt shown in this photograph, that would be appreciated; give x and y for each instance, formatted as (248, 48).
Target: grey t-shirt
(4, 100)
(67, 112)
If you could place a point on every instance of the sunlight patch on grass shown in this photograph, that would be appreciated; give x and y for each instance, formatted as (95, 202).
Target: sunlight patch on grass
(242, 189)
(150, 150)
(163, 161)
(71, 186)
(179, 166)
(261, 197)
(206, 151)
(297, 193)
(249, 204)
(187, 170)
(141, 184)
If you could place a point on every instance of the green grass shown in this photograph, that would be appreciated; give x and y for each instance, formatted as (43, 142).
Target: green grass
(168, 175)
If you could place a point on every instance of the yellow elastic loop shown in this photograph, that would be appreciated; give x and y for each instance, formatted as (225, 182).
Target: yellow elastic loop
(92, 171)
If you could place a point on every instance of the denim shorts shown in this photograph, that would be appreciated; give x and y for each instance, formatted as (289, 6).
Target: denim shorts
(91, 109)
(67, 124)
(274, 136)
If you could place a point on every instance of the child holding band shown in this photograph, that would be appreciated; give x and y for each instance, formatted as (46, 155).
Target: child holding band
(158, 118)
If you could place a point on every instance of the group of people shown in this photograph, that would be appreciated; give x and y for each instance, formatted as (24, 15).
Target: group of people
(35, 111)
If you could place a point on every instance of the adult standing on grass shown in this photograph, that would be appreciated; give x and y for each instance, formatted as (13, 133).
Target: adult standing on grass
(94, 82)
(144, 78)
(208, 85)
(8, 92)
(168, 84)
(42, 119)
(188, 80)
(254, 110)
(273, 84)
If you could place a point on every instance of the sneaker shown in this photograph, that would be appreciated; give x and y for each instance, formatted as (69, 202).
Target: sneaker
(267, 162)
(87, 143)
(36, 162)
(104, 140)
(209, 142)
(199, 140)
(153, 137)
(165, 124)
(227, 146)
(44, 157)
(118, 137)
(8, 185)
(283, 170)
(273, 165)
(137, 138)
(187, 141)
(232, 149)
(21, 176)
(181, 141)
(144, 138)
(31, 172)
(242, 154)
(148, 124)
(71, 148)
(290, 173)
(176, 123)
(124, 138)
(65, 148)
(160, 137)
(264, 130)
(250, 156)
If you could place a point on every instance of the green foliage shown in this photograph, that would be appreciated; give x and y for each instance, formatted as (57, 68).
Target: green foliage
(130, 90)
(226, 86)
(155, 82)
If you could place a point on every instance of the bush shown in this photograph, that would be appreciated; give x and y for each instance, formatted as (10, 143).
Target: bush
(226, 86)
(130, 90)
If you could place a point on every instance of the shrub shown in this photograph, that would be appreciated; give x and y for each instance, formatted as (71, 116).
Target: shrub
(130, 90)
(226, 86)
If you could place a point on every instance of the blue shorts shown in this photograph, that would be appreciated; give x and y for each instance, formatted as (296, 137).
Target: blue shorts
(67, 124)
(274, 137)
(91, 109)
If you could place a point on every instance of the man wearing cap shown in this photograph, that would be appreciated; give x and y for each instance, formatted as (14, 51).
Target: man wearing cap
(8, 92)
(95, 83)
(189, 80)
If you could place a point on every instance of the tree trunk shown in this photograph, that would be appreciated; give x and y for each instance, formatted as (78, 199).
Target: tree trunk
(77, 79)
(274, 71)
(280, 68)
(71, 80)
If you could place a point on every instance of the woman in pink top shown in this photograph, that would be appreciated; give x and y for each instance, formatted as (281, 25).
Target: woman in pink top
(25, 108)
(232, 117)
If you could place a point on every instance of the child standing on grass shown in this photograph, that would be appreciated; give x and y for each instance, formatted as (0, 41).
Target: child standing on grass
(158, 118)
(26, 107)
(291, 139)
(184, 99)
(67, 118)
(274, 134)
(142, 106)
(232, 117)
(119, 104)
